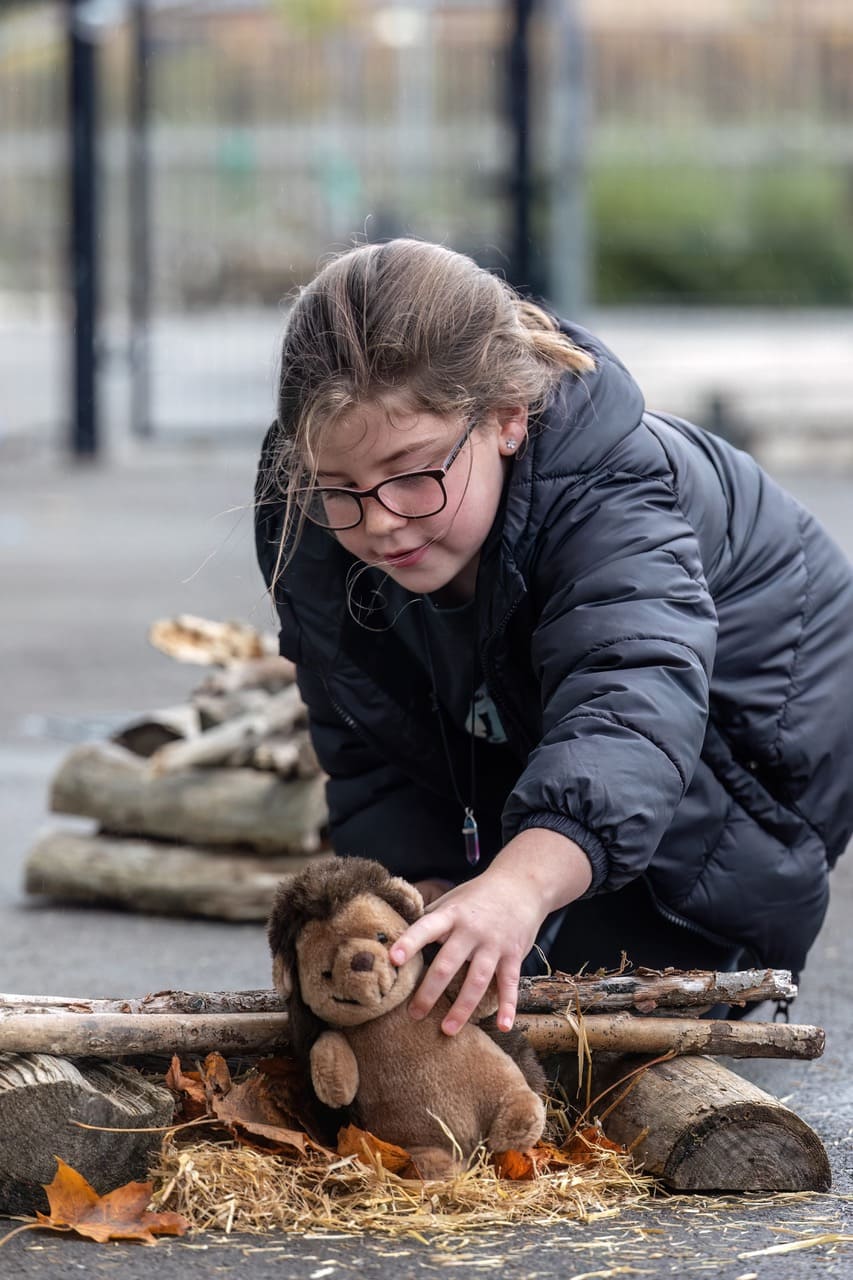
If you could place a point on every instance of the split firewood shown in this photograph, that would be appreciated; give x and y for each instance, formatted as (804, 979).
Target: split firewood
(279, 715)
(162, 878)
(289, 757)
(697, 1126)
(192, 639)
(40, 1098)
(146, 734)
(198, 806)
(216, 709)
(116, 1034)
(270, 674)
(591, 994)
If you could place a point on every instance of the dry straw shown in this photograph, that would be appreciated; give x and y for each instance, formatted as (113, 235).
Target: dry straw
(221, 1186)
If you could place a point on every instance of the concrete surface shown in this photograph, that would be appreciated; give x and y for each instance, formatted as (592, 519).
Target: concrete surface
(88, 558)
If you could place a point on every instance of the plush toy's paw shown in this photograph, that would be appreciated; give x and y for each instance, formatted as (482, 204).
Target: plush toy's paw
(334, 1070)
(518, 1123)
(434, 1162)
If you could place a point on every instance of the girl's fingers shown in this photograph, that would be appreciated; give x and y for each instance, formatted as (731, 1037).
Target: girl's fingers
(428, 928)
(445, 966)
(480, 972)
(508, 973)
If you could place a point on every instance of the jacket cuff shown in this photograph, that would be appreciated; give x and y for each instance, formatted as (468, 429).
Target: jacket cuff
(572, 830)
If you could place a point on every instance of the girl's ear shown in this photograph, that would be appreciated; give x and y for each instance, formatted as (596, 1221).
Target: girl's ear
(512, 428)
(282, 978)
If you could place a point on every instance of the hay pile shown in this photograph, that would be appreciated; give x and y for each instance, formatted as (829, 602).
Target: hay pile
(223, 1186)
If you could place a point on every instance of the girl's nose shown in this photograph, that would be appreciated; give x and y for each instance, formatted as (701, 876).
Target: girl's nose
(379, 520)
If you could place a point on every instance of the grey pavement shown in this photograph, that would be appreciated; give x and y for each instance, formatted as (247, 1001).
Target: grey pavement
(89, 557)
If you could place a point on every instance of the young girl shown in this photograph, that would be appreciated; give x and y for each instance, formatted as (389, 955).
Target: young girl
(599, 639)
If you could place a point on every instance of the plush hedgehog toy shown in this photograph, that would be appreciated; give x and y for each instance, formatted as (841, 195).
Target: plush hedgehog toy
(406, 1081)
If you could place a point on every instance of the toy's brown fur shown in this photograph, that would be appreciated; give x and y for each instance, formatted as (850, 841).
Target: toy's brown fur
(330, 932)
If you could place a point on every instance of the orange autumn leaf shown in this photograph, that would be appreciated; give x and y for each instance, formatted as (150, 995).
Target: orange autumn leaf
(193, 1102)
(119, 1215)
(353, 1141)
(585, 1145)
(517, 1166)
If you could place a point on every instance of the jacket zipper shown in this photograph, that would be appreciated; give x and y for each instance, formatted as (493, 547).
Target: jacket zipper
(692, 927)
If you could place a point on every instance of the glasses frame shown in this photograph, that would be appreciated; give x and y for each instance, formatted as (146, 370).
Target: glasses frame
(439, 474)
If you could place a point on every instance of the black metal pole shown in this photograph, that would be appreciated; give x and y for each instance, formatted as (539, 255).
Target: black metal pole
(83, 242)
(140, 224)
(520, 184)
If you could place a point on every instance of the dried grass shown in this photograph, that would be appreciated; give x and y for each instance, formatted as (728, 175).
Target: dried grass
(223, 1186)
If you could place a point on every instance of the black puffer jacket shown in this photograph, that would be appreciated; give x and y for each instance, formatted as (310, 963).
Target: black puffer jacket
(668, 637)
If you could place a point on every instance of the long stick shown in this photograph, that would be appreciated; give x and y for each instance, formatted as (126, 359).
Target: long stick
(642, 991)
(113, 1035)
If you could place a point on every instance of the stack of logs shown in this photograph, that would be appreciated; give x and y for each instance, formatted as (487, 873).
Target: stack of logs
(201, 809)
(688, 1120)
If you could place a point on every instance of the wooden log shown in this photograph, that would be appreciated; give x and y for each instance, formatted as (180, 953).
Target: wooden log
(700, 1127)
(647, 989)
(289, 756)
(594, 994)
(270, 673)
(215, 709)
(116, 1034)
(167, 879)
(278, 715)
(198, 806)
(192, 639)
(146, 734)
(614, 1032)
(41, 1096)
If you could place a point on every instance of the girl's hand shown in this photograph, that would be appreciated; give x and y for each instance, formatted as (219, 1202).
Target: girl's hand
(431, 890)
(491, 923)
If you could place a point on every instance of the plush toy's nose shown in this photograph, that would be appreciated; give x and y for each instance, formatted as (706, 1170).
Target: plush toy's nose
(362, 962)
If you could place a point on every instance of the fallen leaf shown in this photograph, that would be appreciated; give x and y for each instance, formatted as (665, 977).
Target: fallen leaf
(583, 1146)
(353, 1141)
(193, 1102)
(517, 1166)
(119, 1215)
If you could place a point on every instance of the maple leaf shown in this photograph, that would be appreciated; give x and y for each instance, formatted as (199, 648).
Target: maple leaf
(193, 1103)
(120, 1215)
(353, 1141)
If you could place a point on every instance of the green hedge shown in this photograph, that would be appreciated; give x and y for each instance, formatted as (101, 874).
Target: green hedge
(697, 235)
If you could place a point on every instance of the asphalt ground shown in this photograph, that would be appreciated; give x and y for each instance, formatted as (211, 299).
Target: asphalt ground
(89, 557)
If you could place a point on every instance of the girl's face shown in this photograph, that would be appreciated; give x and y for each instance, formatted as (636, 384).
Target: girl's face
(386, 438)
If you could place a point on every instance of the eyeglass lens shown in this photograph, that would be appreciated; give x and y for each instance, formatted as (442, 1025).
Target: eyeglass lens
(411, 496)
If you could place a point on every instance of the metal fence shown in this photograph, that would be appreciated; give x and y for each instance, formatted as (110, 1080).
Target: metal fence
(674, 155)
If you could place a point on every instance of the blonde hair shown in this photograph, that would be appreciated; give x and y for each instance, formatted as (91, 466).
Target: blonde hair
(406, 316)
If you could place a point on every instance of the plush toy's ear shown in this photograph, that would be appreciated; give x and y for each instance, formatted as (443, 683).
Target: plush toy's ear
(282, 977)
(412, 906)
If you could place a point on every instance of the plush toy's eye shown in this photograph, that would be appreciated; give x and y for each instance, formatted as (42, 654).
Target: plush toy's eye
(382, 937)
(327, 973)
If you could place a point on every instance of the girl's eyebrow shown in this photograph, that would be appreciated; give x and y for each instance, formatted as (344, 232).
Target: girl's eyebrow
(418, 446)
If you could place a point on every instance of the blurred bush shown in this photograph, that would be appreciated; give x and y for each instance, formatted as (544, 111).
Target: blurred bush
(693, 235)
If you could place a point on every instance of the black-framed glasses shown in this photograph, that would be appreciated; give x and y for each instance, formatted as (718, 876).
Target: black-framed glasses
(413, 494)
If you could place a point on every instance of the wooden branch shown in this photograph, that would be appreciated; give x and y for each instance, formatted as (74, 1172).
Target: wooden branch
(41, 1096)
(270, 673)
(700, 1127)
(535, 994)
(626, 1033)
(280, 713)
(648, 989)
(164, 878)
(199, 806)
(146, 734)
(116, 1034)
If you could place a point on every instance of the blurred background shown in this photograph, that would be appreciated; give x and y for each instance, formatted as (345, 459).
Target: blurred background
(679, 177)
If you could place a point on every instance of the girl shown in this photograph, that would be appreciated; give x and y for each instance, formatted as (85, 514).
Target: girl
(599, 639)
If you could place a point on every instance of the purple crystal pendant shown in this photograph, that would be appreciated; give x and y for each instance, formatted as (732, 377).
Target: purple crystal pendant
(471, 836)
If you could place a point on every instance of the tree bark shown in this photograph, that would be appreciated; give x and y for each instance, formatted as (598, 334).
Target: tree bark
(199, 806)
(162, 878)
(700, 1127)
(626, 1033)
(41, 1096)
(112, 1035)
(548, 995)
(242, 734)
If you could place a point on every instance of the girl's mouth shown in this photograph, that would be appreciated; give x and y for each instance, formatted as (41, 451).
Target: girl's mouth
(407, 558)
